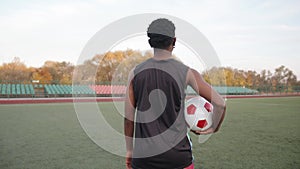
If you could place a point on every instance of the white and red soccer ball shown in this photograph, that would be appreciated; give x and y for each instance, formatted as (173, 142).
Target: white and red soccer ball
(198, 113)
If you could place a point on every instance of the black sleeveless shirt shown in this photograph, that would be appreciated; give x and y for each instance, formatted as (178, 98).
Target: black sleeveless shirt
(161, 140)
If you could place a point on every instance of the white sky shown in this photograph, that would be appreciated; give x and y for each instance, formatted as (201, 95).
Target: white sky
(250, 35)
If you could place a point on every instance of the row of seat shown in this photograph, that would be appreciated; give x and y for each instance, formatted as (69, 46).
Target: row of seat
(121, 89)
(230, 90)
(109, 89)
(84, 89)
(67, 89)
(16, 89)
(54, 89)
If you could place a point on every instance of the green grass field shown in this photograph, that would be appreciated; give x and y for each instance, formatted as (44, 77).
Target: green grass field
(257, 133)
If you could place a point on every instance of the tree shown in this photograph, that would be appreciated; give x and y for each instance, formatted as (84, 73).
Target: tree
(42, 75)
(251, 79)
(115, 66)
(85, 73)
(15, 72)
(239, 78)
(283, 79)
(215, 76)
(61, 72)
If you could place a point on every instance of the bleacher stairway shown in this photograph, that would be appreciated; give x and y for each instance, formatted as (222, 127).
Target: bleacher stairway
(39, 90)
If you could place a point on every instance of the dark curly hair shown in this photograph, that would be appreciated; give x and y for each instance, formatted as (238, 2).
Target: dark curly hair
(159, 41)
(161, 33)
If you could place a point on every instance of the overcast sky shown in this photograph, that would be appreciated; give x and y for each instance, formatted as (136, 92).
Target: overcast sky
(250, 35)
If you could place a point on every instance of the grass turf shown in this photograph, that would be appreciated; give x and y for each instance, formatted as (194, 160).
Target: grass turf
(257, 133)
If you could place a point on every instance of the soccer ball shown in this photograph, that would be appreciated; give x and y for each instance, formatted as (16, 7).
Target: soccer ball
(198, 113)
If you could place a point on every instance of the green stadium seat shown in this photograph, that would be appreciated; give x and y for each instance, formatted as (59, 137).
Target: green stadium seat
(13, 89)
(64, 89)
(23, 89)
(47, 90)
(67, 89)
(18, 89)
(4, 89)
(61, 90)
(8, 89)
(51, 89)
(31, 89)
(55, 89)
(81, 89)
(27, 90)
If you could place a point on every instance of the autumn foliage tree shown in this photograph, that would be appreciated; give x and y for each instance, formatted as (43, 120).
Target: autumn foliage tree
(42, 75)
(61, 72)
(15, 71)
(114, 67)
(111, 67)
(283, 79)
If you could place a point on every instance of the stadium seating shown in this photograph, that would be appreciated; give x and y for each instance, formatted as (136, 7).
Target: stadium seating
(15, 90)
(228, 90)
(53, 90)
(22, 89)
(109, 89)
(68, 90)
(85, 89)
(82, 89)
(3, 89)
